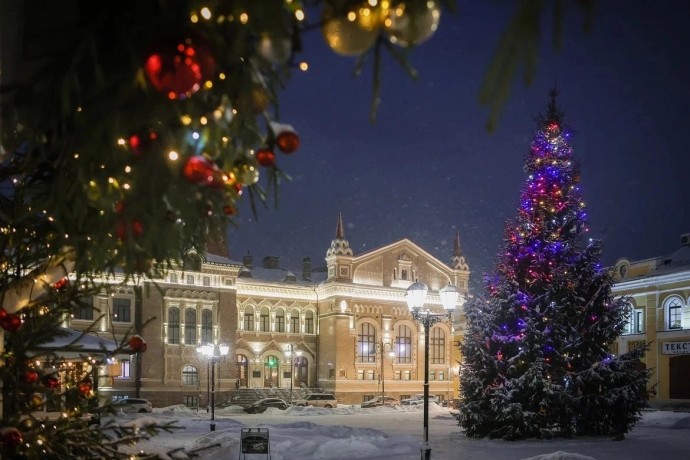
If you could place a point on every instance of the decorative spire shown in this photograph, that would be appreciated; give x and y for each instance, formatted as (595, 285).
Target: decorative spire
(457, 252)
(339, 229)
(339, 246)
(458, 261)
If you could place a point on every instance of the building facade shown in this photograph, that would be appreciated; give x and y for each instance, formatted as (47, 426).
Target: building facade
(342, 328)
(658, 294)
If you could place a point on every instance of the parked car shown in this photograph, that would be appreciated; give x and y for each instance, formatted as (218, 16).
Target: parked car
(381, 401)
(133, 405)
(418, 399)
(261, 405)
(317, 400)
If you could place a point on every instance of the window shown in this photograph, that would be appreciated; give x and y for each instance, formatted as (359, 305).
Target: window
(173, 277)
(248, 319)
(264, 323)
(635, 324)
(441, 375)
(675, 309)
(190, 279)
(294, 322)
(432, 376)
(121, 310)
(403, 345)
(366, 343)
(190, 326)
(280, 321)
(360, 374)
(124, 369)
(206, 326)
(407, 375)
(309, 323)
(207, 281)
(403, 275)
(437, 346)
(84, 309)
(190, 375)
(173, 325)
(190, 401)
(370, 374)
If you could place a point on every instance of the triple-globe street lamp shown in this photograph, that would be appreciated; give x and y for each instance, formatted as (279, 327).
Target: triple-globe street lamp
(213, 354)
(415, 296)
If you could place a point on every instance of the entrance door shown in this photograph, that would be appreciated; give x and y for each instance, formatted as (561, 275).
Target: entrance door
(679, 377)
(271, 372)
(243, 370)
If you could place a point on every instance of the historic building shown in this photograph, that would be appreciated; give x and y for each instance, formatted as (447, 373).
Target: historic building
(343, 327)
(658, 292)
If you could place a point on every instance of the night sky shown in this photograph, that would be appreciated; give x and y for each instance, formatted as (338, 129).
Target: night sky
(429, 167)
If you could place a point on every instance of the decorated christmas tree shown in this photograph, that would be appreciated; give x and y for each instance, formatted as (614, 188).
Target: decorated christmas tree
(537, 357)
(129, 131)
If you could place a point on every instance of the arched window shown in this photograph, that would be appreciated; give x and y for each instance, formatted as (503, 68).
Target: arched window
(264, 320)
(280, 320)
(206, 325)
(190, 375)
(366, 343)
(294, 322)
(403, 345)
(674, 313)
(309, 323)
(437, 346)
(190, 326)
(249, 319)
(173, 325)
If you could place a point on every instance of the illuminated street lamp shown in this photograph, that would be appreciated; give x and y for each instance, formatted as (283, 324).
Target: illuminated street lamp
(290, 353)
(380, 349)
(213, 353)
(415, 296)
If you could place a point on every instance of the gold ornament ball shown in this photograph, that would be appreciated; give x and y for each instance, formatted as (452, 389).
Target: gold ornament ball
(345, 35)
(245, 171)
(412, 24)
(275, 49)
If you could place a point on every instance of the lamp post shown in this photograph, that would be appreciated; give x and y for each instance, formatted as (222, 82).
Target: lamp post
(213, 353)
(415, 296)
(381, 349)
(290, 353)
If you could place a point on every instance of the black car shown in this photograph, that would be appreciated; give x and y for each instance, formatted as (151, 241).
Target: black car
(262, 404)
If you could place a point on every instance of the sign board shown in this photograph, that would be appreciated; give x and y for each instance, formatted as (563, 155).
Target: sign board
(255, 441)
(675, 348)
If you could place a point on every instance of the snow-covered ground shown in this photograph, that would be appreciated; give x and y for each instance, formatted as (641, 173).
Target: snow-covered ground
(350, 432)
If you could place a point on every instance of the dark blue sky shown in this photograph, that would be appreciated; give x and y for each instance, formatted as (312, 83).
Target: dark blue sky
(429, 166)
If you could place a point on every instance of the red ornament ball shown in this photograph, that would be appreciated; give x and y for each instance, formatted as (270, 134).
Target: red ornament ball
(11, 438)
(30, 376)
(11, 322)
(178, 67)
(200, 170)
(142, 142)
(3, 312)
(137, 344)
(85, 389)
(288, 141)
(51, 382)
(124, 228)
(61, 284)
(266, 157)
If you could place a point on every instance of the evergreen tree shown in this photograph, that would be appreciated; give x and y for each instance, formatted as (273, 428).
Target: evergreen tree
(537, 357)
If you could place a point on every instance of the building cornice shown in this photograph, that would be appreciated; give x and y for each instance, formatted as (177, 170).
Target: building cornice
(651, 281)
